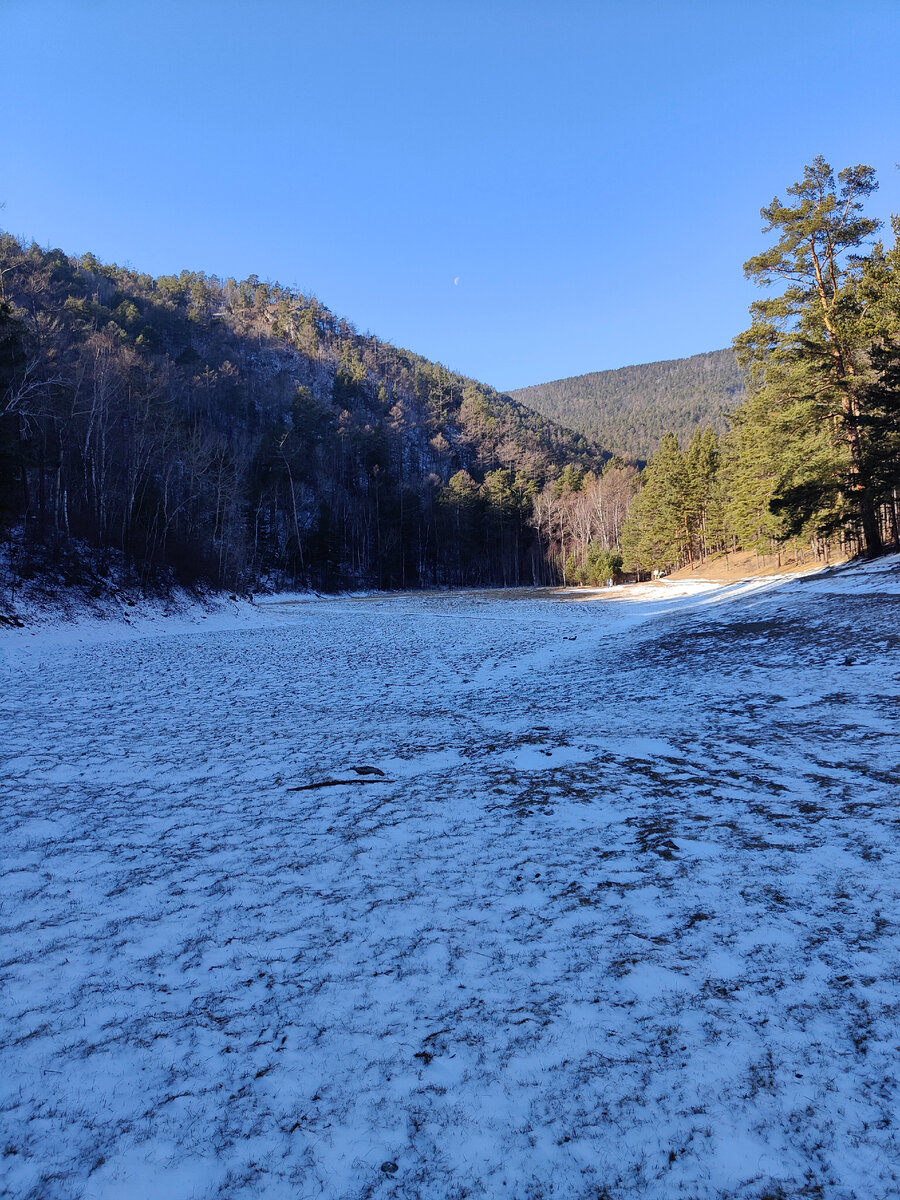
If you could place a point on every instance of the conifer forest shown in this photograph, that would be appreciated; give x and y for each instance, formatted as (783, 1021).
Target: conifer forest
(239, 434)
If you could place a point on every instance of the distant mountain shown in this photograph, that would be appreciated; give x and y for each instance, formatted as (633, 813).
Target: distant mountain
(628, 410)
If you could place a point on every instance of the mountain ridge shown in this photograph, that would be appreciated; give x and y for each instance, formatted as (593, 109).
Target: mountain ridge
(628, 409)
(238, 432)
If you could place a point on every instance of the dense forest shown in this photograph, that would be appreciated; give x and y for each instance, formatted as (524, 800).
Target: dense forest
(629, 409)
(238, 433)
(812, 459)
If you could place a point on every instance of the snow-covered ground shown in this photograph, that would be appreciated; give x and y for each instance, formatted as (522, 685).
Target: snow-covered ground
(597, 898)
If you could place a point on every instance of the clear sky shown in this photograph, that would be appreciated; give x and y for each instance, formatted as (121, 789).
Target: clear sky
(522, 190)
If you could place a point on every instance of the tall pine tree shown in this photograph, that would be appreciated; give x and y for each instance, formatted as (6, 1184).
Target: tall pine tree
(805, 351)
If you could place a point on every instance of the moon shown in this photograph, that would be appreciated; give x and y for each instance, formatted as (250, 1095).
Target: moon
(456, 281)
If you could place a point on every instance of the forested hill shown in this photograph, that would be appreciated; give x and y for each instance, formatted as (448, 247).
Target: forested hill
(239, 432)
(629, 409)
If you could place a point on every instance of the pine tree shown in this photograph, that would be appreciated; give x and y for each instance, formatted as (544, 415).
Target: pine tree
(657, 533)
(751, 471)
(805, 350)
(880, 419)
(702, 466)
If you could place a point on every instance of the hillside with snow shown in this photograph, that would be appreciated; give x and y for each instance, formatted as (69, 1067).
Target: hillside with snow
(471, 894)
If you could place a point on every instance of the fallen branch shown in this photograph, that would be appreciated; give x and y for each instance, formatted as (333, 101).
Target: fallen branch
(323, 783)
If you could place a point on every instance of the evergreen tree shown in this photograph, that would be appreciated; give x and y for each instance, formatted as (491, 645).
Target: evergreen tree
(657, 531)
(805, 350)
(752, 470)
(702, 466)
(880, 418)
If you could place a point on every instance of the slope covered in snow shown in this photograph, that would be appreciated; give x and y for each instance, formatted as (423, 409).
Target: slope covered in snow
(460, 895)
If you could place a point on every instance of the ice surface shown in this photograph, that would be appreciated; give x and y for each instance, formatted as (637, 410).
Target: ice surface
(619, 917)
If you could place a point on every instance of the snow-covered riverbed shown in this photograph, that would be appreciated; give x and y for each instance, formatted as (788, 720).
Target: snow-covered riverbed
(599, 898)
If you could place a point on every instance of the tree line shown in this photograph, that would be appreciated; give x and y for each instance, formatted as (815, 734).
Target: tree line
(237, 432)
(812, 456)
(240, 434)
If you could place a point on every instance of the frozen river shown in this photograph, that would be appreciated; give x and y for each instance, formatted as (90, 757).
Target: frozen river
(460, 895)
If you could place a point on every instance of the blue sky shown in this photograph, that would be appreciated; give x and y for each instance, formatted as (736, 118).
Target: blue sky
(520, 190)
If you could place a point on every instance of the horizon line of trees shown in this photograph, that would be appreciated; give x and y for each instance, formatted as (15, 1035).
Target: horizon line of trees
(240, 434)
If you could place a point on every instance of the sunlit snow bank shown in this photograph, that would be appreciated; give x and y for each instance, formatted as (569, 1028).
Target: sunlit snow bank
(881, 575)
(520, 896)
